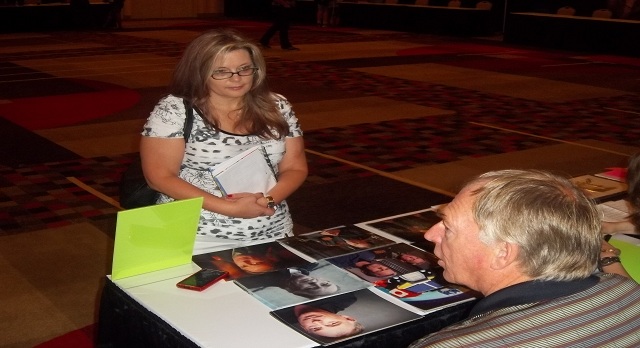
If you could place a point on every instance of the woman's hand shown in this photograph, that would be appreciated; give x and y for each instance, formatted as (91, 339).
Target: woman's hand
(248, 205)
(608, 250)
(161, 159)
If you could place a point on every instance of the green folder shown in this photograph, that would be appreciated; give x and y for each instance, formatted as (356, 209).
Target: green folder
(629, 253)
(154, 238)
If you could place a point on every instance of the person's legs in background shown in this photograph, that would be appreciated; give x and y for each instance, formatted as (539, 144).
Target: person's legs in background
(322, 13)
(333, 13)
(285, 22)
(266, 37)
(281, 22)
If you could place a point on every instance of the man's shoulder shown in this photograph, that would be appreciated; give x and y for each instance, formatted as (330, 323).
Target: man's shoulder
(610, 283)
(610, 289)
(613, 301)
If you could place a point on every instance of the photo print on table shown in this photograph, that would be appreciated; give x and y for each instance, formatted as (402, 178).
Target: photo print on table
(342, 317)
(335, 241)
(294, 285)
(409, 227)
(250, 260)
(381, 264)
(407, 273)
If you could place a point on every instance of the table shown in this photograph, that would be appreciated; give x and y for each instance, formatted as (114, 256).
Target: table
(153, 312)
(573, 32)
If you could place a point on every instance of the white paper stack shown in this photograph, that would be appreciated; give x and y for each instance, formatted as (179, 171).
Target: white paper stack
(246, 172)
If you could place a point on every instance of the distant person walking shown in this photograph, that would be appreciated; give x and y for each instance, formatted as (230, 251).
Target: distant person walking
(114, 18)
(81, 14)
(326, 12)
(282, 12)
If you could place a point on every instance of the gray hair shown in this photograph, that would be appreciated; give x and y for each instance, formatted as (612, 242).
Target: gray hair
(554, 223)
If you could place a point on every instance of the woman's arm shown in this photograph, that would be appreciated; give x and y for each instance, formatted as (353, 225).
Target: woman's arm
(624, 226)
(292, 171)
(161, 160)
(608, 250)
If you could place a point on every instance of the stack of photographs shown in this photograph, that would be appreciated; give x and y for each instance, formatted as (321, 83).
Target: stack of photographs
(331, 285)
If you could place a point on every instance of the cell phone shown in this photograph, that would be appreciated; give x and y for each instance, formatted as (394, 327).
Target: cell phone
(202, 279)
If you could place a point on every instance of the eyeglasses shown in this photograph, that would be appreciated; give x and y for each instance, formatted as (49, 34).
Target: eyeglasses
(223, 75)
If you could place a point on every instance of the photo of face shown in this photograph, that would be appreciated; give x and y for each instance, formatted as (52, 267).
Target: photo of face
(253, 263)
(250, 260)
(380, 270)
(296, 285)
(412, 259)
(358, 243)
(309, 286)
(324, 323)
(336, 318)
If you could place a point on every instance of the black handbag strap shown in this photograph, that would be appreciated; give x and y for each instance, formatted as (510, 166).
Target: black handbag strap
(188, 122)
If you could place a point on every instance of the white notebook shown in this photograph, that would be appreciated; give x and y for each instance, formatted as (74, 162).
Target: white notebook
(246, 172)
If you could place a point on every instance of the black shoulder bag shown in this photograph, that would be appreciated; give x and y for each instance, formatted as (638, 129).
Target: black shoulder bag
(134, 190)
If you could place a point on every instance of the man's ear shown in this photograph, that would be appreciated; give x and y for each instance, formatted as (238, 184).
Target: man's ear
(504, 254)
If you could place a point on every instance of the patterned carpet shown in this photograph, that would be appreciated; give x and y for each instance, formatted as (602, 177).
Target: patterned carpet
(36, 195)
(42, 196)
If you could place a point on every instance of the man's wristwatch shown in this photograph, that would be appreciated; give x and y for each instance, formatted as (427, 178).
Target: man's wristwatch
(270, 202)
(606, 261)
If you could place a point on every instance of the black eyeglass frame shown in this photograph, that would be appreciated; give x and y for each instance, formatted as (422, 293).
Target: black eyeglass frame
(248, 71)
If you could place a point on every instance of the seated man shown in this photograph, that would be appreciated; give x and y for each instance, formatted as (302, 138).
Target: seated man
(529, 241)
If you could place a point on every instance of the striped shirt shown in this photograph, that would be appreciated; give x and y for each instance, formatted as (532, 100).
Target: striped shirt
(606, 314)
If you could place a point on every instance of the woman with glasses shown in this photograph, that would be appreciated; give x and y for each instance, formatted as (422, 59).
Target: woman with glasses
(223, 76)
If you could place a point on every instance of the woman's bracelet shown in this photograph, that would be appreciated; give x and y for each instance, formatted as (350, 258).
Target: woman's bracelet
(270, 202)
(607, 261)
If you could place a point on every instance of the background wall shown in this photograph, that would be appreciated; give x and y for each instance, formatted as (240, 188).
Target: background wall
(148, 9)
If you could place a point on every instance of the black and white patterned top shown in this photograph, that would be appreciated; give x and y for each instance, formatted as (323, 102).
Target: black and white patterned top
(205, 149)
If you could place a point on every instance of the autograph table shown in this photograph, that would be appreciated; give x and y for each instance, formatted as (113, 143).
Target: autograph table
(574, 32)
(150, 311)
(462, 21)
